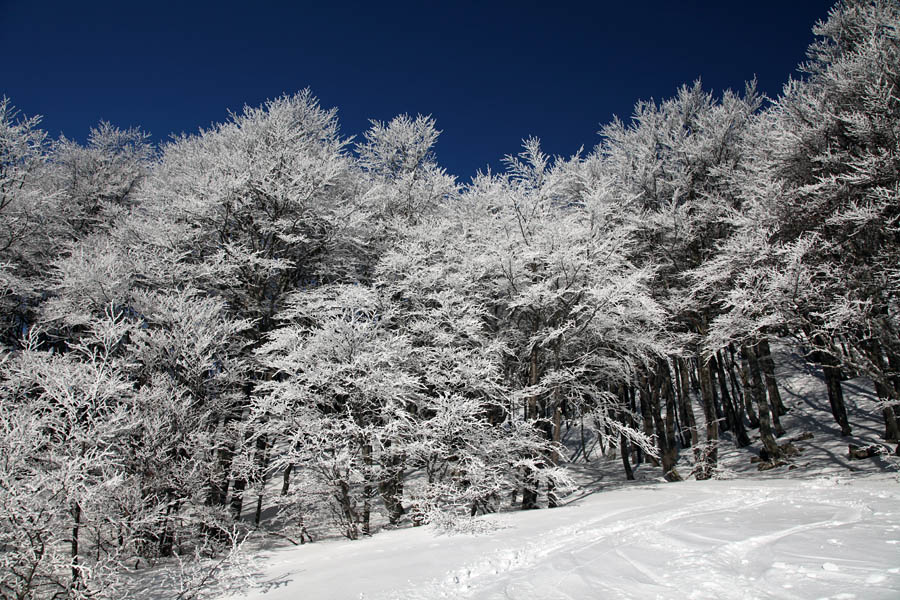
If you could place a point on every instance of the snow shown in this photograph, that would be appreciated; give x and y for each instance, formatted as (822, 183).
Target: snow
(814, 538)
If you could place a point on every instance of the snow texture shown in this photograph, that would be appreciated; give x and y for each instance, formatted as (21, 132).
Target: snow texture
(819, 538)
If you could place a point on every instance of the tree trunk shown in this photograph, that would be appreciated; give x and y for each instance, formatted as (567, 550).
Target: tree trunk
(768, 368)
(623, 443)
(237, 497)
(707, 460)
(167, 535)
(218, 492)
(758, 391)
(530, 492)
(552, 498)
(368, 491)
(752, 415)
(687, 409)
(891, 432)
(736, 424)
(692, 372)
(530, 489)
(739, 393)
(240, 482)
(391, 489)
(76, 532)
(833, 379)
(670, 458)
(831, 370)
(767, 365)
(262, 457)
(724, 425)
(286, 481)
(351, 531)
(649, 416)
(366, 515)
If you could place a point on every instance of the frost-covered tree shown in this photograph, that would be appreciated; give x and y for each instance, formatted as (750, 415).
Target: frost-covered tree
(25, 240)
(339, 395)
(261, 198)
(575, 315)
(94, 184)
(254, 209)
(407, 182)
(821, 181)
(403, 184)
(375, 383)
(69, 510)
(473, 445)
(669, 169)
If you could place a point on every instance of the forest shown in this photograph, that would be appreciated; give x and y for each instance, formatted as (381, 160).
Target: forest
(266, 326)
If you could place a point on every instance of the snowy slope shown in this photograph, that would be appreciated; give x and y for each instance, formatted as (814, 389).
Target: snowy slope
(816, 538)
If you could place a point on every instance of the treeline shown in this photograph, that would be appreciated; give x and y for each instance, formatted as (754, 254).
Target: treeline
(266, 305)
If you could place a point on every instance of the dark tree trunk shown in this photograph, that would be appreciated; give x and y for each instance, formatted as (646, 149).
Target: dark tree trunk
(723, 410)
(262, 458)
(530, 489)
(671, 455)
(552, 498)
(667, 450)
(637, 455)
(687, 410)
(692, 371)
(707, 461)
(240, 482)
(167, 536)
(752, 414)
(351, 530)
(891, 432)
(237, 497)
(894, 365)
(391, 489)
(623, 442)
(739, 390)
(286, 481)
(218, 492)
(649, 415)
(724, 424)
(758, 391)
(76, 533)
(734, 418)
(831, 370)
(833, 377)
(529, 492)
(366, 514)
(768, 368)
(737, 393)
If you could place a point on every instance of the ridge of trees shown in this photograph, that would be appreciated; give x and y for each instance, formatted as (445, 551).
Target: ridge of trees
(265, 299)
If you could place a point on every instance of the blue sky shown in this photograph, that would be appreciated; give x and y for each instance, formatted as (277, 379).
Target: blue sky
(491, 73)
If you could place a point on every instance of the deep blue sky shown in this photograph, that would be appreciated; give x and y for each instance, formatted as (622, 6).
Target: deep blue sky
(491, 73)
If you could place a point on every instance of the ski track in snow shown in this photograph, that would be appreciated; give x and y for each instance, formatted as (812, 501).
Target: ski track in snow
(617, 555)
(791, 539)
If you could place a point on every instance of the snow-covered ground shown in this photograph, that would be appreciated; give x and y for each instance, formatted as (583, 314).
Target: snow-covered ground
(820, 526)
(805, 538)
